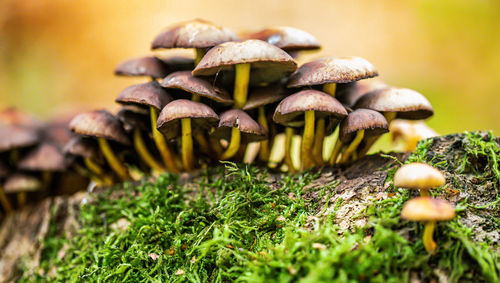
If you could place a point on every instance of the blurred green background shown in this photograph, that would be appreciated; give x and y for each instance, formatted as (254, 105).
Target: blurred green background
(59, 56)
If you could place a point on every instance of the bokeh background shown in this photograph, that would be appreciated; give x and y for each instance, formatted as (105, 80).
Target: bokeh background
(59, 56)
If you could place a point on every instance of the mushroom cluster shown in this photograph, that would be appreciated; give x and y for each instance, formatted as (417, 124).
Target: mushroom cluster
(423, 177)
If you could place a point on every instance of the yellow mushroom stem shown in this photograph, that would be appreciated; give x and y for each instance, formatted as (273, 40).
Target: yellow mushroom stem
(264, 145)
(142, 149)
(389, 116)
(336, 151)
(234, 144)
(21, 199)
(5, 201)
(288, 149)
(202, 143)
(425, 193)
(161, 143)
(353, 145)
(429, 243)
(187, 144)
(241, 79)
(199, 53)
(330, 88)
(46, 180)
(319, 137)
(96, 170)
(216, 146)
(113, 160)
(307, 139)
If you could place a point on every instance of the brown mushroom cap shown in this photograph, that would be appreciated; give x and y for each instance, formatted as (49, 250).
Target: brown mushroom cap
(184, 80)
(349, 93)
(332, 70)
(202, 117)
(408, 103)
(99, 124)
(149, 66)
(84, 147)
(17, 137)
(371, 121)
(287, 38)
(296, 104)
(418, 176)
(250, 130)
(45, 157)
(21, 183)
(13, 117)
(193, 34)
(427, 209)
(261, 96)
(260, 54)
(178, 63)
(132, 119)
(149, 94)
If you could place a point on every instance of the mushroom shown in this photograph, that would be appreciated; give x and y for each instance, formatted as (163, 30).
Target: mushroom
(349, 93)
(148, 66)
(313, 104)
(256, 56)
(411, 132)
(428, 210)
(150, 97)
(21, 184)
(419, 176)
(184, 118)
(328, 72)
(198, 34)
(358, 124)
(238, 127)
(103, 126)
(4, 201)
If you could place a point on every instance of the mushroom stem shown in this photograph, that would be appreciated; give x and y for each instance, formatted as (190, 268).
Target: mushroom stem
(319, 137)
(46, 180)
(307, 139)
(203, 143)
(330, 88)
(336, 151)
(353, 145)
(288, 147)
(264, 145)
(113, 160)
(389, 116)
(242, 77)
(425, 193)
(161, 143)
(98, 171)
(234, 145)
(21, 199)
(141, 148)
(199, 53)
(429, 243)
(187, 144)
(5, 201)
(216, 146)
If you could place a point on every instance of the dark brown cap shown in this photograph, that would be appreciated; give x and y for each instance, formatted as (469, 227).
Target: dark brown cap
(427, 209)
(408, 103)
(287, 38)
(202, 117)
(193, 34)
(99, 124)
(132, 119)
(21, 183)
(261, 96)
(146, 94)
(250, 130)
(349, 93)
(296, 104)
(184, 80)
(17, 137)
(260, 54)
(149, 66)
(371, 121)
(45, 157)
(84, 147)
(332, 70)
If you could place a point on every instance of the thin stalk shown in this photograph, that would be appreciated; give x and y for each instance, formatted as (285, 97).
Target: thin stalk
(264, 151)
(389, 116)
(330, 88)
(161, 143)
(199, 53)
(21, 199)
(336, 151)
(429, 243)
(319, 137)
(113, 160)
(353, 145)
(288, 149)
(234, 145)
(5, 201)
(242, 77)
(307, 139)
(187, 144)
(425, 193)
(142, 150)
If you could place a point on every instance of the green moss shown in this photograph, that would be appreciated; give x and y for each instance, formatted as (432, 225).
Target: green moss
(241, 223)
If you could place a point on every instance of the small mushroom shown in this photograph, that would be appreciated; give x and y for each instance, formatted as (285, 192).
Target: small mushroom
(238, 127)
(184, 118)
(349, 93)
(21, 184)
(15, 137)
(428, 210)
(148, 66)
(198, 34)
(243, 57)
(419, 176)
(411, 132)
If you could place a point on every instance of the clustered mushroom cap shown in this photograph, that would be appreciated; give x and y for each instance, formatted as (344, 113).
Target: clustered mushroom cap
(296, 104)
(185, 81)
(16, 137)
(427, 209)
(150, 66)
(21, 183)
(418, 176)
(349, 93)
(149, 94)
(371, 121)
(193, 34)
(202, 117)
(408, 103)
(132, 119)
(99, 124)
(45, 157)
(84, 147)
(287, 38)
(261, 96)
(332, 70)
(250, 130)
